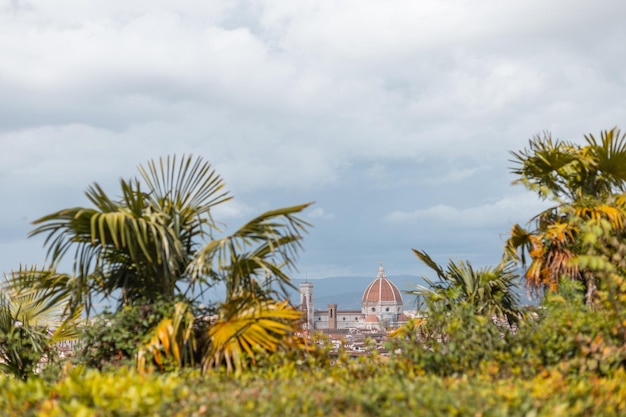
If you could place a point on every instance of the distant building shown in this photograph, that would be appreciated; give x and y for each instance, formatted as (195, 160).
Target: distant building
(381, 308)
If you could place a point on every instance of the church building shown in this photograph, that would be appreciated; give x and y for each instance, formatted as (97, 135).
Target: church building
(381, 308)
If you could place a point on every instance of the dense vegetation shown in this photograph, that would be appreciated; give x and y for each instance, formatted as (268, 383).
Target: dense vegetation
(162, 351)
(568, 361)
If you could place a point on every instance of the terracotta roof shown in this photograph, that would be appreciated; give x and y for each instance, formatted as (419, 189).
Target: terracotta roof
(371, 319)
(381, 289)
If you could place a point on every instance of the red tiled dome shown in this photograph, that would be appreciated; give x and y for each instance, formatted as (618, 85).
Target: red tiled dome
(371, 319)
(382, 290)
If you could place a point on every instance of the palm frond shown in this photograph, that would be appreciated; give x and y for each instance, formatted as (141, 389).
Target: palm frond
(517, 244)
(614, 213)
(128, 235)
(33, 317)
(188, 185)
(609, 155)
(490, 290)
(428, 261)
(545, 166)
(171, 339)
(42, 293)
(246, 327)
(263, 248)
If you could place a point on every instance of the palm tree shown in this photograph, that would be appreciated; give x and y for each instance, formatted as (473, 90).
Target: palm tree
(586, 183)
(158, 239)
(491, 291)
(31, 321)
(160, 242)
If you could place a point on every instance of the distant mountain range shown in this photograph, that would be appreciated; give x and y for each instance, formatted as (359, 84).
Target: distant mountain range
(347, 292)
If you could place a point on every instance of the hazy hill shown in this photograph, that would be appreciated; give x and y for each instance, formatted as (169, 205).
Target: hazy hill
(346, 292)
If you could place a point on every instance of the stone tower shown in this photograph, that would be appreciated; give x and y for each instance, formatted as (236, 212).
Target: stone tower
(306, 305)
(332, 316)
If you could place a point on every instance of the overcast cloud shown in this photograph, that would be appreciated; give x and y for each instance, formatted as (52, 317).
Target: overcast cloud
(395, 117)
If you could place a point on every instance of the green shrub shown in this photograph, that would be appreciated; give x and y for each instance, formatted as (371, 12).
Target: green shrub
(378, 390)
(561, 333)
(112, 339)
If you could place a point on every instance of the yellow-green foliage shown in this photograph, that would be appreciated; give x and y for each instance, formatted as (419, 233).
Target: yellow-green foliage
(171, 341)
(246, 328)
(336, 391)
(90, 393)
(566, 361)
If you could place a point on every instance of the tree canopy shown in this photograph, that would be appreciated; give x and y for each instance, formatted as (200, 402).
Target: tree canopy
(159, 239)
(585, 182)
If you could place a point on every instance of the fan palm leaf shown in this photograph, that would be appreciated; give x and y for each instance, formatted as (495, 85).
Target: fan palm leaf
(140, 245)
(545, 166)
(490, 290)
(172, 339)
(33, 319)
(246, 327)
(258, 253)
(128, 239)
(609, 154)
(189, 187)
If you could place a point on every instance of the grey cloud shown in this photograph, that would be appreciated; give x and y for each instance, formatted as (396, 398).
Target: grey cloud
(368, 108)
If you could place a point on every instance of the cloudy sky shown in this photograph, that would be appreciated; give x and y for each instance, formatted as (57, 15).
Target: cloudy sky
(396, 117)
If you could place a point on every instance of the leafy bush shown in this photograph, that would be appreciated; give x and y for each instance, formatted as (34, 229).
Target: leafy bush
(561, 333)
(112, 339)
(381, 390)
(457, 342)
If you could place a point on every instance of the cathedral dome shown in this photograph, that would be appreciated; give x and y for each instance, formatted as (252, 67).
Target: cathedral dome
(381, 290)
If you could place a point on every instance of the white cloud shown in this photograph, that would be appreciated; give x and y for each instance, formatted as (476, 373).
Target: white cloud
(319, 213)
(291, 100)
(518, 208)
(454, 176)
(231, 210)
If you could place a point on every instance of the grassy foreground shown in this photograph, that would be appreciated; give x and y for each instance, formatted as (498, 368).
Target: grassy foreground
(359, 389)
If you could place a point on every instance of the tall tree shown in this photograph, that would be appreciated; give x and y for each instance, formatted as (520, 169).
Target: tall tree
(585, 182)
(159, 239)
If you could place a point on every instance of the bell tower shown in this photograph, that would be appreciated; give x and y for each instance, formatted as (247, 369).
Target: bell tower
(332, 316)
(307, 306)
